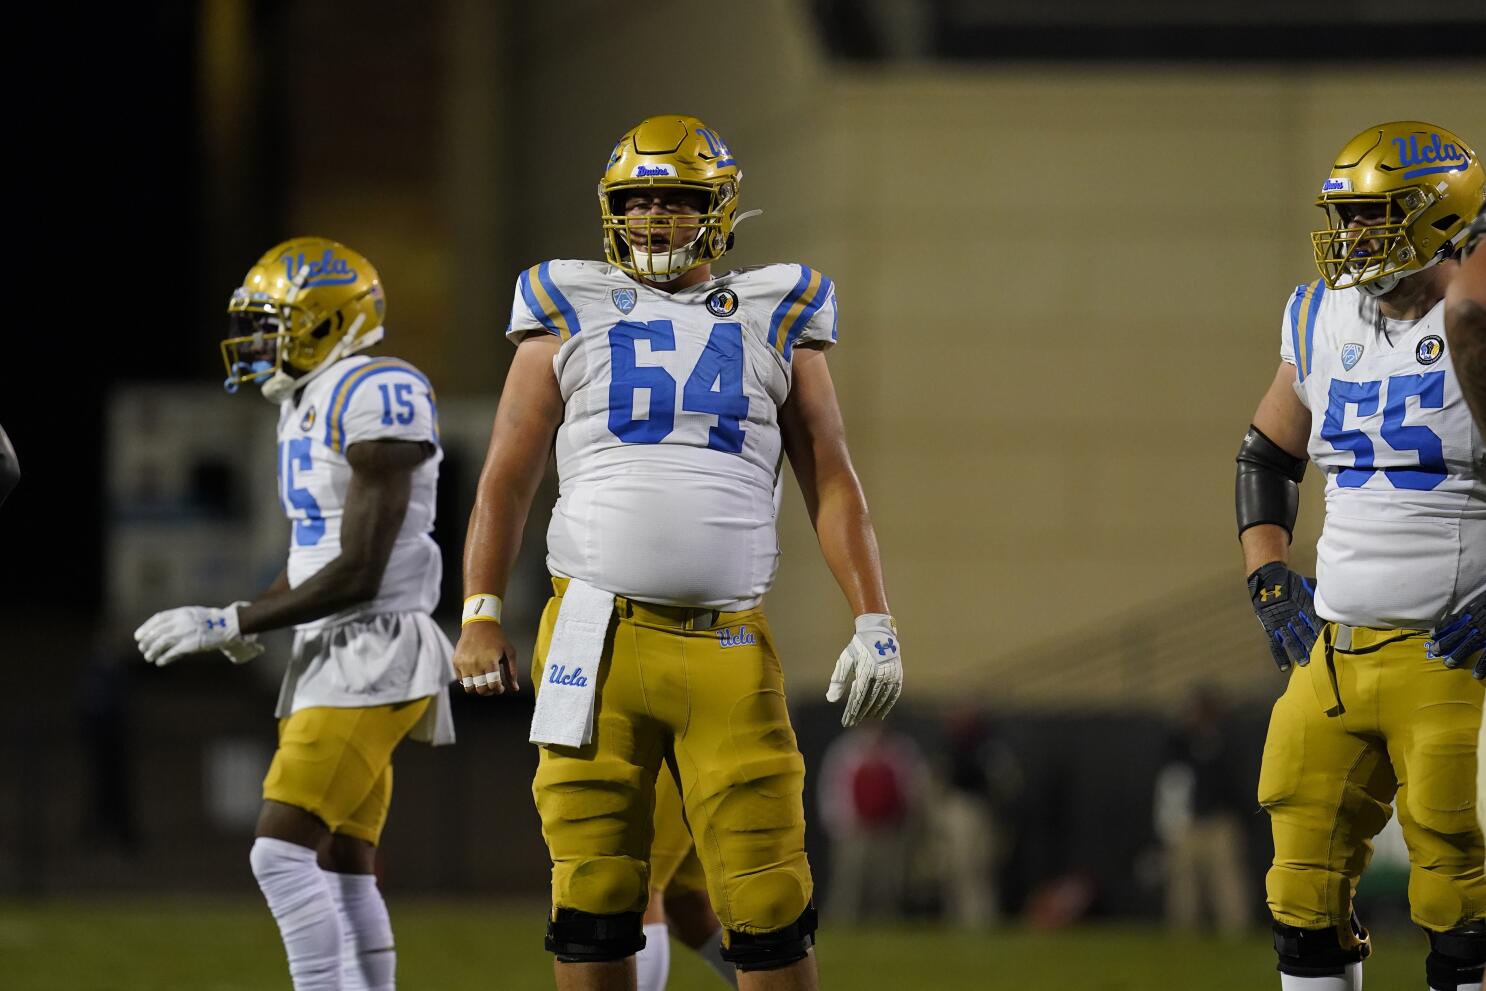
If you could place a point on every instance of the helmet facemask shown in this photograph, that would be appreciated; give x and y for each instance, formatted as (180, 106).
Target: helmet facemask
(656, 246)
(306, 304)
(1368, 241)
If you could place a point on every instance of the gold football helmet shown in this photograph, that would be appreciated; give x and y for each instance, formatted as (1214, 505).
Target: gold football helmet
(304, 305)
(1398, 200)
(671, 152)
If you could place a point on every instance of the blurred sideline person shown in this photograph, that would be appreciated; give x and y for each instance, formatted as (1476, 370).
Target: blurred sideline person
(1200, 802)
(1366, 389)
(1465, 331)
(672, 395)
(10, 468)
(872, 782)
(979, 780)
(678, 897)
(358, 454)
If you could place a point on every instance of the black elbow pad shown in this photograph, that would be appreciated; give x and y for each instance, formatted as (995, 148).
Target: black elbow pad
(1267, 489)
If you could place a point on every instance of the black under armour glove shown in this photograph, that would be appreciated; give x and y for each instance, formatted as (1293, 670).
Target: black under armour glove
(1461, 634)
(1282, 600)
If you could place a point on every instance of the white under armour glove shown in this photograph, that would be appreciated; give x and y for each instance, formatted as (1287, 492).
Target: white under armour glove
(168, 636)
(873, 666)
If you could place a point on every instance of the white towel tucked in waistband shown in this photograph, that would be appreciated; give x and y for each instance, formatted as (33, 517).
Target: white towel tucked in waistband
(569, 688)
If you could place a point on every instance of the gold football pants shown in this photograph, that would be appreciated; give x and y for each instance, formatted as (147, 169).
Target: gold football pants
(337, 764)
(674, 864)
(701, 692)
(1356, 729)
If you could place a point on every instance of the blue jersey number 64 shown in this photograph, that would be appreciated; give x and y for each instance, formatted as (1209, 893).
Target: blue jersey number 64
(714, 388)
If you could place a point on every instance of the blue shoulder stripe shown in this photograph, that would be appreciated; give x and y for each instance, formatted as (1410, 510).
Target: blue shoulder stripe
(1295, 302)
(537, 311)
(1318, 290)
(1303, 311)
(785, 304)
(345, 389)
(563, 306)
(822, 293)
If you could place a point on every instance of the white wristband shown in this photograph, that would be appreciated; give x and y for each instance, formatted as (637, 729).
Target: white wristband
(481, 608)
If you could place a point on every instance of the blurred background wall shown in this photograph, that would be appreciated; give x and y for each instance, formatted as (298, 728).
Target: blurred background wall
(1062, 243)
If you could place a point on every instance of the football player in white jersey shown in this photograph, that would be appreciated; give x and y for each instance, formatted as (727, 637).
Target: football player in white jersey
(358, 456)
(673, 395)
(1366, 390)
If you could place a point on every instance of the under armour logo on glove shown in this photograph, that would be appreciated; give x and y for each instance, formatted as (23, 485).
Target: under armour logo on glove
(875, 682)
(170, 635)
(1282, 601)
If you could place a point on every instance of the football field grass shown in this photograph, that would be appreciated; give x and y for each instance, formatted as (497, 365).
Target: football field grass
(446, 945)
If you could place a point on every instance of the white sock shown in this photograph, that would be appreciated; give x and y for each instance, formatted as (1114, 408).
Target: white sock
(368, 954)
(653, 963)
(301, 904)
(1473, 986)
(1349, 981)
(711, 951)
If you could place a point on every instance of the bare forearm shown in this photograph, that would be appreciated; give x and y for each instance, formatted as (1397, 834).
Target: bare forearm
(849, 544)
(494, 536)
(376, 502)
(1262, 544)
(339, 585)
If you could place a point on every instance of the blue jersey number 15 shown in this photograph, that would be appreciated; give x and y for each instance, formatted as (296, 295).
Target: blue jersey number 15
(714, 388)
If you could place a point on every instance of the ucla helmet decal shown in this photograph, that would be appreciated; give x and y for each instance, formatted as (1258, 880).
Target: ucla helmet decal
(307, 303)
(669, 152)
(1399, 198)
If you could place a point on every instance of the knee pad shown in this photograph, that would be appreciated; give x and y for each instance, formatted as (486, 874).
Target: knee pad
(1456, 957)
(771, 950)
(578, 937)
(1320, 952)
(602, 886)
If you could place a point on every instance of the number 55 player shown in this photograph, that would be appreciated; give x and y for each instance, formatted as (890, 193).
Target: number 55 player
(1366, 390)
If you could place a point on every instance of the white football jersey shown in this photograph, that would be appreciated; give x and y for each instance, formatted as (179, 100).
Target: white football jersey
(669, 452)
(359, 398)
(1404, 539)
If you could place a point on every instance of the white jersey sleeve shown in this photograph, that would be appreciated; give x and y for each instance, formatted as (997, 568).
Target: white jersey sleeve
(549, 295)
(1298, 330)
(806, 314)
(385, 399)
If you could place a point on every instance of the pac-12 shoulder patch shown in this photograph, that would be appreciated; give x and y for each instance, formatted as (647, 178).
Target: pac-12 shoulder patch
(1351, 354)
(722, 302)
(624, 299)
(1430, 349)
